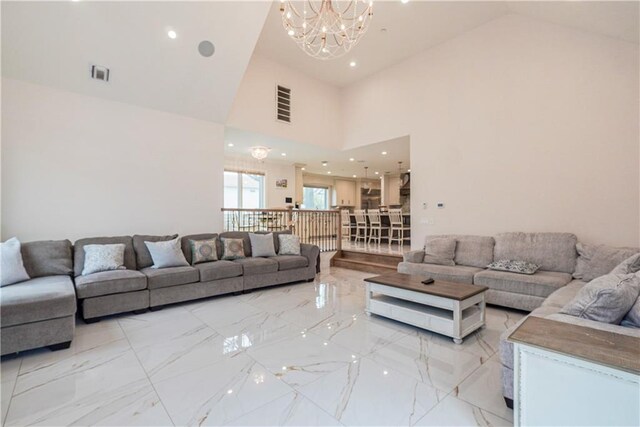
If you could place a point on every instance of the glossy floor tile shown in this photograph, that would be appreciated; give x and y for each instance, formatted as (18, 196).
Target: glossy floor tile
(301, 354)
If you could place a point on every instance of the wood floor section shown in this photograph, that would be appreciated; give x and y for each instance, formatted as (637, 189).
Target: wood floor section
(365, 261)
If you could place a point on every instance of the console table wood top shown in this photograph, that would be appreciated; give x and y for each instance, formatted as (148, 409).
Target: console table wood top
(602, 347)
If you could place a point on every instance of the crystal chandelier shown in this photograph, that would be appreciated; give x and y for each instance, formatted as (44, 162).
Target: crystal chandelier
(259, 152)
(326, 29)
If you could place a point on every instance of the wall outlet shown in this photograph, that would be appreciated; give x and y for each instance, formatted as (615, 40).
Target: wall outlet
(440, 205)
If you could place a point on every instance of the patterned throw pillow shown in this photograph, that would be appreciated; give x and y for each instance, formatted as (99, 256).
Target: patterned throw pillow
(522, 267)
(203, 251)
(232, 248)
(289, 244)
(103, 258)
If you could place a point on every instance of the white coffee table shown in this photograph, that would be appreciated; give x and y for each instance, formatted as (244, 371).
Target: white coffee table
(451, 309)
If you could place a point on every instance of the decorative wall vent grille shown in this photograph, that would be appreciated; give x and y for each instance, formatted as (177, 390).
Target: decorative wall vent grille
(283, 104)
(100, 73)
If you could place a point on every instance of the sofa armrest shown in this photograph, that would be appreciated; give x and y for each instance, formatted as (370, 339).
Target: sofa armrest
(414, 256)
(312, 253)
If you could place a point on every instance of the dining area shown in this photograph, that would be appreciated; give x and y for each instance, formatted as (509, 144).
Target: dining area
(377, 230)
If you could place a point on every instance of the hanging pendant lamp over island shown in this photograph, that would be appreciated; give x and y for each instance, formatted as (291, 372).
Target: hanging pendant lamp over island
(326, 29)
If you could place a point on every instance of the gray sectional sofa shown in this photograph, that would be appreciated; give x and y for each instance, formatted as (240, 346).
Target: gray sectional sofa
(41, 311)
(562, 274)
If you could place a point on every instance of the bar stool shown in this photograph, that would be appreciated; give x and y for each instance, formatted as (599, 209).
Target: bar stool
(345, 223)
(397, 226)
(375, 225)
(361, 225)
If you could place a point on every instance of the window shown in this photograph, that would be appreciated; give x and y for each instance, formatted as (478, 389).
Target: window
(315, 198)
(243, 190)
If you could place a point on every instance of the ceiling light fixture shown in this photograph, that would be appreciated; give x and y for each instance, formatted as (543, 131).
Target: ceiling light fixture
(408, 170)
(365, 184)
(355, 176)
(230, 144)
(404, 1)
(324, 163)
(326, 29)
(384, 153)
(303, 169)
(329, 172)
(172, 34)
(352, 64)
(283, 154)
(352, 159)
(377, 173)
(259, 152)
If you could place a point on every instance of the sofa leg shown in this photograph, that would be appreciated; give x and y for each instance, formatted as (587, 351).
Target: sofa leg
(61, 346)
(235, 294)
(509, 402)
(156, 308)
(311, 280)
(141, 311)
(92, 320)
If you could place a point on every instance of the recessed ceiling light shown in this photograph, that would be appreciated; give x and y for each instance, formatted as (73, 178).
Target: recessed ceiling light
(355, 176)
(324, 163)
(303, 169)
(404, 1)
(329, 172)
(408, 170)
(384, 153)
(352, 159)
(230, 144)
(352, 64)
(377, 173)
(172, 34)
(283, 154)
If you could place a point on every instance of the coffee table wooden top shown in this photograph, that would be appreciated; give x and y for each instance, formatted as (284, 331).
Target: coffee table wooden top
(451, 290)
(602, 347)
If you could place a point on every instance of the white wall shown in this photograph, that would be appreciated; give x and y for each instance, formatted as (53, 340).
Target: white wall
(518, 125)
(315, 119)
(76, 166)
(273, 171)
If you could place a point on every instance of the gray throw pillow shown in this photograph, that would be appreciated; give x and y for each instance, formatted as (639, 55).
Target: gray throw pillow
(13, 270)
(512, 266)
(166, 254)
(103, 258)
(605, 299)
(628, 266)
(289, 244)
(203, 251)
(598, 260)
(262, 245)
(440, 251)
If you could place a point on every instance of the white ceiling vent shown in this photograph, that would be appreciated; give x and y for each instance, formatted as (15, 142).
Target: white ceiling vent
(283, 104)
(100, 73)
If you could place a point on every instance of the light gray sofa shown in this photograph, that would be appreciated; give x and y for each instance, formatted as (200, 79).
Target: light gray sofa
(554, 252)
(41, 311)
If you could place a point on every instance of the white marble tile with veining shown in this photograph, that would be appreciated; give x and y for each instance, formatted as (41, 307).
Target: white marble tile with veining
(366, 393)
(219, 393)
(455, 412)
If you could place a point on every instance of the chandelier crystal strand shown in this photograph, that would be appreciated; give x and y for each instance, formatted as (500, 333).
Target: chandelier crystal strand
(326, 29)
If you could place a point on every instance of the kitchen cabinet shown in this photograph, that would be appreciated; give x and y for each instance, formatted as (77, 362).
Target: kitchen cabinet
(345, 193)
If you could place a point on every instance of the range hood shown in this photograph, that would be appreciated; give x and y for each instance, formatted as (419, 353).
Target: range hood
(405, 189)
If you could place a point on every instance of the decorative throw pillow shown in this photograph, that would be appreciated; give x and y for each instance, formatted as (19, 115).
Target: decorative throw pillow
(232, 248)
(262, 245)
(440, 251)
(166, 254)
(13, 270)
(598, 260)
(203, 251)
(605, 299)
(522, 267)
(289, 244)
(628, 266)
(103, 258)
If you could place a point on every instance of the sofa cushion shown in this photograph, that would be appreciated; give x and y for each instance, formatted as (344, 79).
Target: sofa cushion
(598, 260)
(186, 245)
(47, 258)
(217, 270)
(290, 262)
(42, 298)
(110, 282)
(262, 245)
(78, 251)
(251, 266)
(551, 251)
(103, 258)
(472, 251)
(541, 284)
(143, 257)
(562, 296)
(605, 299)
(413, 256)
(456, 273)
(12, 269)
(440, 251)
(170, 276)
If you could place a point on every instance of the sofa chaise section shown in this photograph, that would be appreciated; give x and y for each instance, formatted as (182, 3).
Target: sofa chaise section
(109, 292)
(41, 311)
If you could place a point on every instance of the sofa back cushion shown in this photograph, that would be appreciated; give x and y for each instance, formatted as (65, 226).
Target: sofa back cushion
(78, 251)
(186, 246)
(48, 258)
(551, 251)
(472, 251)
(598, 260)
(143, 256)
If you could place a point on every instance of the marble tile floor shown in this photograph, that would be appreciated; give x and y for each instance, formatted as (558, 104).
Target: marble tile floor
(304, 354)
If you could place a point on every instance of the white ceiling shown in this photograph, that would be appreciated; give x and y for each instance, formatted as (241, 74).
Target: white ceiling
(312, 156)
(55, 44)
(418, 25)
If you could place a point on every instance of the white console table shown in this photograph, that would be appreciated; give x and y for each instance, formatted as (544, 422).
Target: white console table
(572, 375)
